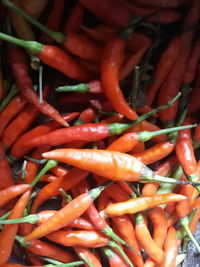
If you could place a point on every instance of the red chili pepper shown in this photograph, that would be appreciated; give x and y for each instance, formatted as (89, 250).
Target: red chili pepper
(192, 63)
(112, 59)
(89, 255)
(114, 259)
(76, 44)
(19, 125)
(75, 19)
(127, 232)
(99, 223)
(12, 192)
(54, 20)
(159, 220)
(140, 204)
(194, 100)
(72, 178)
(170, 249)
(144, 238)
(17, 149)
(109, 164)
(53, 57)
(6, 175)
(155, 153)
(164, 16)
(7, 235)
(166, 62)
(132, 61)
(176, 76)
(66, 215)
(41, 248)
(90, 239)
(11, 110)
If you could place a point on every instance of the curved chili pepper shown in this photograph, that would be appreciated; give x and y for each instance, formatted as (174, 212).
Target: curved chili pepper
(53, 57)
(75, 19)
(186, 156)
(155, 153)
(76, 44)
(132, 61)
(54, 20)
(11, 110)
(197, 133)
(159, 220)
(99, 223)
(38, 131)
(72, 178)
(170, 249)
(112, 59)
(66, 215)
(194, 100)
(146, 241)
(114, 259)
(7, 235)
(173, 81)
(91, 239)
(167, 59)
(127, 232)
(11, 192)
(41, 248)
(90, 256)
(19, 125)
(140, 204)
(109, 164)
(6, 175)
(166, 15)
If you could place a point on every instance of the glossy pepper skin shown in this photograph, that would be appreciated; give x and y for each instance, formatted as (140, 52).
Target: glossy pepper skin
(112, 60)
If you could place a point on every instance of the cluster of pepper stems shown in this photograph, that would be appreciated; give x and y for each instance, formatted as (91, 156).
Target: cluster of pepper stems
(112, 209)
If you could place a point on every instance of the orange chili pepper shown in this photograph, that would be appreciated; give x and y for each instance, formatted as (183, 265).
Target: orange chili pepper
(170, 249)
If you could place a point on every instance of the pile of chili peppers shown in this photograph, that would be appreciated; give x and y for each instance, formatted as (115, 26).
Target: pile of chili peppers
(99, 132)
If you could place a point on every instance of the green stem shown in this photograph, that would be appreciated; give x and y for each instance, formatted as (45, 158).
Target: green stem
(49, 165)
(20, 239)
(194, 178)
(57, 36)
(168, 188)
(51, 260)
(5, 216)
(185, 223)
(32, 219)
(113, 244)
(108, 252)
(83, 257)
(81, 88)
(109, 232)
(94, 193)
(145, 135)
(33, 46)
(66, 197)
(118, 128)
(13, 91)
(70, 264)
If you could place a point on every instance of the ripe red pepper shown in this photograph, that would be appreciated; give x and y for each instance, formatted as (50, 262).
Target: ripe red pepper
(112, 60)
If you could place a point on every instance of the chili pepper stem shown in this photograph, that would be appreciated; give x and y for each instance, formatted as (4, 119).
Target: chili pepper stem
(82, 256)
(81, 88)
(194, 178)
(57, 36)
(51, 260)
(33, 46)
(7, 99)
(49, 165)
(32, 219)
(145, 135)
(94, 193)
(70, 264)
(185, 223)
(113, 244)
(109, 232)
(20, 239)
